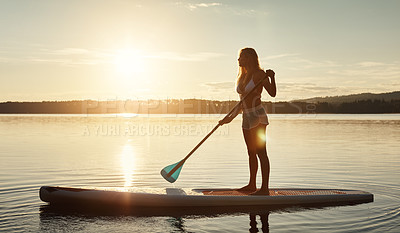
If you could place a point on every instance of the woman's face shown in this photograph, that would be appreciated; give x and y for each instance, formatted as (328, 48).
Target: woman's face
(242, 60)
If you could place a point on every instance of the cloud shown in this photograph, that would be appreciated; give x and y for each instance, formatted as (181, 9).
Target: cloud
(273, 58)
(80, 56)
(208, 4)
(303, 63)
(370, 64)
(201, 56)
(96, 56)
(372, 70)
(92, 54)
(73, 57)
(71, 51)
(305, 87)
(280, 56)
(237, 10)
(354, 72)
(203, 5)
(195, 6)
(67, 62)
(220, 86)
(62, 56)
(296, 90)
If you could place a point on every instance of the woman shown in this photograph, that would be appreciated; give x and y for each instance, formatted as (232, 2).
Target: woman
(255, 118)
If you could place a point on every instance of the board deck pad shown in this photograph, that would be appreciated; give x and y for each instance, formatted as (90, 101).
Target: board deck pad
(274, 192)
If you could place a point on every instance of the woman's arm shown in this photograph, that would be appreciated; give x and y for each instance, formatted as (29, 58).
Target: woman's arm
(270, 86)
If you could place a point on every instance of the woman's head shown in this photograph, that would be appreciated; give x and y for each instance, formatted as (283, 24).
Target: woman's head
(248, 62)
(248, 59)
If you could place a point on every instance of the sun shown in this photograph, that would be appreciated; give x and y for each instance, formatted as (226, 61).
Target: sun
(129, 62)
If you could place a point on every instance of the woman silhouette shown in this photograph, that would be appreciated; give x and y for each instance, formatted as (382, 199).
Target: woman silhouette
(255, 119)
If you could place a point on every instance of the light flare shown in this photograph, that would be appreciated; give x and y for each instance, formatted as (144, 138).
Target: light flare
(261, 137)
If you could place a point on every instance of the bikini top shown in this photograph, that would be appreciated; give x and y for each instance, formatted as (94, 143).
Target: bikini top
(250, 85)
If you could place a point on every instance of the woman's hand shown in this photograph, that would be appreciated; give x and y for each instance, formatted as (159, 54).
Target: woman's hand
(226, 120)
(270, 73)
(229, 117)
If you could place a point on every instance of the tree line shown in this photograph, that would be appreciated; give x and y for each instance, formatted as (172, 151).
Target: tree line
(193, 106)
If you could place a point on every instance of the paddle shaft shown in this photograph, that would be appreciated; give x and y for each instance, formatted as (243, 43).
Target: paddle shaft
(215, 128)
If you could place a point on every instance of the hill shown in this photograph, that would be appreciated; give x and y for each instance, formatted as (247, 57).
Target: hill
(354, 98)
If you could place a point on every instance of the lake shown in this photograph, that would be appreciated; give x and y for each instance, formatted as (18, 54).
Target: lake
(359, 152)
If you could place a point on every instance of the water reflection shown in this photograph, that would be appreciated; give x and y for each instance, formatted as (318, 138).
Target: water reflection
(264, 223)
(176, 219)
(177, 224)
(53, 219)
(128, 163)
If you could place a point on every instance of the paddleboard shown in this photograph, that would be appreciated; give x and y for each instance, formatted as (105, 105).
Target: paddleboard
(173, 197)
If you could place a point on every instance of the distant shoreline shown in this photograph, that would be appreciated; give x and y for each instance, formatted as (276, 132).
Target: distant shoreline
(182, 114)
(364, 103)
(196, 106)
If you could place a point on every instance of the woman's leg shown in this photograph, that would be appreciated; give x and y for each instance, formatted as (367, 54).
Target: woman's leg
(260, 136)
(250, 139)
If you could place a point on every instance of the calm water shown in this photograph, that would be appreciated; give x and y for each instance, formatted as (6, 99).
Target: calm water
(314, 151)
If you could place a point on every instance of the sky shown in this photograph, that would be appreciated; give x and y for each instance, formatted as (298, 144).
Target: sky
(117, 50)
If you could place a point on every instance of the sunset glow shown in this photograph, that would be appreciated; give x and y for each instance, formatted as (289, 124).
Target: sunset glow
(188, 49)
(129, 62)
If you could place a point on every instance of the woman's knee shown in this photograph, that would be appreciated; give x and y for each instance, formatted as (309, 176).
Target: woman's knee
(252, 152)
(262, 152)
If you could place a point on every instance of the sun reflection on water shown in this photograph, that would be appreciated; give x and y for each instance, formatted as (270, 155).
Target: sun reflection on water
(128, 163)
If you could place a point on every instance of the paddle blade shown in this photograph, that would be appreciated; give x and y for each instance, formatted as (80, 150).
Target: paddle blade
(174, 176)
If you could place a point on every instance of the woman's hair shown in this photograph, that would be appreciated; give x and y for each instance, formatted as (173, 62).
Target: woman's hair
(253, 64)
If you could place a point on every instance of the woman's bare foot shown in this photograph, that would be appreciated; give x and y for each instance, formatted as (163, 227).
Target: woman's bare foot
(262, 191)
(247, 188)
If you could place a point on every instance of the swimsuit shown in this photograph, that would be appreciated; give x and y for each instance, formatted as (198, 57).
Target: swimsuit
(252, 117)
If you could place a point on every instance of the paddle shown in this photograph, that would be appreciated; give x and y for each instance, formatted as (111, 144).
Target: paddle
(171, 172)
